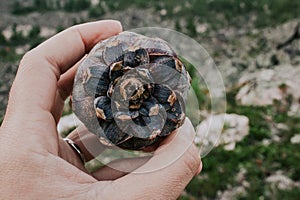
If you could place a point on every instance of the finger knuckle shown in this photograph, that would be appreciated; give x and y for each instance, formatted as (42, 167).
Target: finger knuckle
(73, 28)
(26, 58)
(26, 63)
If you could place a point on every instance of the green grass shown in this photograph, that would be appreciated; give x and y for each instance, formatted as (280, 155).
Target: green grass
(288, 194)
(260, 161)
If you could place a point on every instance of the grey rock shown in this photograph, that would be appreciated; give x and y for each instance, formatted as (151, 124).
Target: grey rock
(222, 129)
(281, 181)
(265, 86)
(232, 193)
(295, 139)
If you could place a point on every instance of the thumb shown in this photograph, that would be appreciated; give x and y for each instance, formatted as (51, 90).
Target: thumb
(166, 174)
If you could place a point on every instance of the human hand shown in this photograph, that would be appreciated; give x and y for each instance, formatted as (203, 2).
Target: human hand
(35, 163)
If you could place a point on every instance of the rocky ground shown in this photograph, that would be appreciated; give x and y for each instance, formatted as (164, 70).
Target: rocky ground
(256, 156)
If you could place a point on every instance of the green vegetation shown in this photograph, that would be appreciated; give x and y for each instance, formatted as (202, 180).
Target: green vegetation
(8, 47)
(260, 161)
(217, 13)
(96, 11)
(198, 86)
(76, 5)
(8, 54)
(288, 194)
(2, 39)
(18, 8)
(220, 166)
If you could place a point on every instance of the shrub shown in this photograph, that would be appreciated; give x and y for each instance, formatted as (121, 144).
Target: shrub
(17, 36)
(2, 39)
(19, 9)
(96, 11)
(76, 5)
(34, 32)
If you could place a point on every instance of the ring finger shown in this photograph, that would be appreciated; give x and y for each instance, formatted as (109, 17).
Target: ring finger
(90, 147)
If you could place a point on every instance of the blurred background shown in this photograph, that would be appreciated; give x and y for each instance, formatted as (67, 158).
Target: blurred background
(255, 44)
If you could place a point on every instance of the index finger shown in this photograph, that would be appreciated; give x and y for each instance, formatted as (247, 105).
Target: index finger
(36, 81)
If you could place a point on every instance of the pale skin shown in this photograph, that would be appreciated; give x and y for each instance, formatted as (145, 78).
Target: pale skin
(36, 164)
